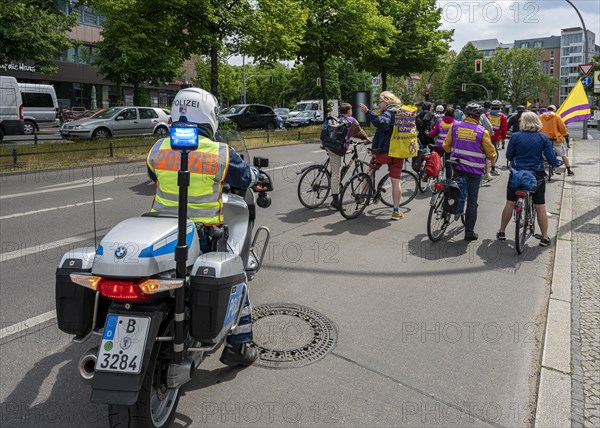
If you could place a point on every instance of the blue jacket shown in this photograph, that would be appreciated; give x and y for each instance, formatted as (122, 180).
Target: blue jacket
(384, 127)
(525, 150)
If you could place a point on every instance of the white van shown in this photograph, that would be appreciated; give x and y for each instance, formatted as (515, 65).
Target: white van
(11, 107)
(40, 107)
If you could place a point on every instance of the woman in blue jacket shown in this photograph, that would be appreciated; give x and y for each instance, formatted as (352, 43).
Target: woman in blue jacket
(526, 150)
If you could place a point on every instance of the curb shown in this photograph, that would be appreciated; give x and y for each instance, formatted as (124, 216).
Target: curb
(554, 391)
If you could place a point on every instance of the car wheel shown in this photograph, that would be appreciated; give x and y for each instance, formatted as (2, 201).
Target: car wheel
(101, 133)
(161, 132)
(238, 127)
(29, 128)
(271, 126)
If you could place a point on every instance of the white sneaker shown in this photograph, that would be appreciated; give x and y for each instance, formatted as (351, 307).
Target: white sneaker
(488, 177)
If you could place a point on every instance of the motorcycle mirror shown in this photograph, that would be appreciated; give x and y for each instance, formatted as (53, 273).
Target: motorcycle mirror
(261, 162)
(184, 136)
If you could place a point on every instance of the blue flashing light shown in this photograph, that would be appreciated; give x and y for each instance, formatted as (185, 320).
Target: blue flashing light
(184, 136)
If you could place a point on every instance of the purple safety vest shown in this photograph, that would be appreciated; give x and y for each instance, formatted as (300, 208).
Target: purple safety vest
(466, 146)
(443, 128)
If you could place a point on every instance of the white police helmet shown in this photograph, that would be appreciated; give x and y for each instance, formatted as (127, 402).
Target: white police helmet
(439, 109)
(197, 106)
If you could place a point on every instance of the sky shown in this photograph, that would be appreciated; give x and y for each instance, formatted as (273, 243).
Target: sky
(510, 20)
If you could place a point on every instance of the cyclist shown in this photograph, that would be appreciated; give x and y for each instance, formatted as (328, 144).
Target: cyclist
(384, 123)
(500, 126)
(469, 142)
(555, 129)
(513, 122)
(439, 132)
(439, 112)
(424, 122)
(335, 160)
(525, 150)
(458, 113)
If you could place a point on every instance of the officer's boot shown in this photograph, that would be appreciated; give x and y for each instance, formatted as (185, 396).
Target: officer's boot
(238, 355)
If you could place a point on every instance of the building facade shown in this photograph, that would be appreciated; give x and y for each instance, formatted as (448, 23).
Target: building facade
(549, 63)
(572, 55)
(77, 79)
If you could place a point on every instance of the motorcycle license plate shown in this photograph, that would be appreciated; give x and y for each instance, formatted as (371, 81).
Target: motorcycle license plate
(123, 344)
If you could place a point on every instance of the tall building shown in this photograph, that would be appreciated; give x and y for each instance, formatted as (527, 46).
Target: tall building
(549, 63)
(488, 46)
(572, 55)
(76, 74)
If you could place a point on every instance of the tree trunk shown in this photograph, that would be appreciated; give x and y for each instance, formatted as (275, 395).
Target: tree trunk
(323, 87)
(136, 93)
(383, 80)
(214, 70)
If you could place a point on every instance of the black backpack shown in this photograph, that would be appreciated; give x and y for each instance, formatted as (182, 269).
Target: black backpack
(423, 121)
(334, 133)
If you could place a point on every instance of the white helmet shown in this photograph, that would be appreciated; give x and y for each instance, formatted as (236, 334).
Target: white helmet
(197, 106)
(439, 109)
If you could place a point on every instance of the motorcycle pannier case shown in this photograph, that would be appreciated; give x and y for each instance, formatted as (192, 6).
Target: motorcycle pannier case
(217, 286)
(74, 303)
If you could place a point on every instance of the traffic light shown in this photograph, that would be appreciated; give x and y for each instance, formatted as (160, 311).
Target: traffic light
(426, 95)
(478, 66)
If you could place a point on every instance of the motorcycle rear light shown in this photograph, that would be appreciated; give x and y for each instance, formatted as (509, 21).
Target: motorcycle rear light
(438, 187)
(122, 290)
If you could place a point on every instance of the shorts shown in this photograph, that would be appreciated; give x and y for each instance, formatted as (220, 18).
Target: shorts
(539, 196)
(560, 149)
(394, 164)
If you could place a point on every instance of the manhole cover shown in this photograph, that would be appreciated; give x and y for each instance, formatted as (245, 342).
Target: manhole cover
(289, 336)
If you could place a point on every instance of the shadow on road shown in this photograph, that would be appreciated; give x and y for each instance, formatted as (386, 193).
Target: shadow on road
(145, 189)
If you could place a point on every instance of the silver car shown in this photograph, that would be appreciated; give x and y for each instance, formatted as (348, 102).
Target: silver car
(118, 122)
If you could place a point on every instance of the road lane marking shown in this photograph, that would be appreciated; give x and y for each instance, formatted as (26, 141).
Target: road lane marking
(89, 180)
(43, 210)
(102, 180)
(27, 324)
(289, 165)
(17, 252)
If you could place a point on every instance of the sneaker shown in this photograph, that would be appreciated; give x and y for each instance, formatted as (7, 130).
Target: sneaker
(397, 215)
(472, 237)
(570, 173)
(495, 172)
(335, 205)
(545, 242)
(501, 236)
(488, 177)
(238, 355)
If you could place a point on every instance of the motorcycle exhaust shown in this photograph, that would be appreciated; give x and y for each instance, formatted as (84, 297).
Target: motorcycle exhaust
(87, 364)
(179, 374)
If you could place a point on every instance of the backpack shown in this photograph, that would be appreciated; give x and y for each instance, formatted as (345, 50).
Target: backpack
(334, 135)
(456, 196)
(522, 180)
(434, 164)
(423, 121)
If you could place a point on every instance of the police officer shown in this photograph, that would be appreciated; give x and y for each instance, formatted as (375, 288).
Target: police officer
(210, 165)
(513, 122)
(469, 142)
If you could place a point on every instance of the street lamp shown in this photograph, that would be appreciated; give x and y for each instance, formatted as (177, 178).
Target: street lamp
(585, 54)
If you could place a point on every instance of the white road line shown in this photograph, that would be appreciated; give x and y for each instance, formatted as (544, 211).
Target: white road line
(101, 180)
(43, 210)
(89, 180)
(289, 165)
(17, 252)
(317, 151)
(24, 325)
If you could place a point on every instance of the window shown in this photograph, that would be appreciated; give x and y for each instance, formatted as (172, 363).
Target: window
(84, 54)
(538, 44)
(89, 16)
(524, 45)
(147, 113)
(129, 114)
(252, 110)
(36, 99)
(551, 54)
(545, 67)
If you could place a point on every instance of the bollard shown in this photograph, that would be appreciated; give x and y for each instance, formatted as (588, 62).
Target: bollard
(268, 140)
(299, 135)
(35, 139)
(110, 147)
(14, 156)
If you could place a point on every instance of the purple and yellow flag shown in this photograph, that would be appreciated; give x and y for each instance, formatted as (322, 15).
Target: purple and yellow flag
(576, 107)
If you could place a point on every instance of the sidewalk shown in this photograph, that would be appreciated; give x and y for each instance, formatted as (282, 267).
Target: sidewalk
(569, 388)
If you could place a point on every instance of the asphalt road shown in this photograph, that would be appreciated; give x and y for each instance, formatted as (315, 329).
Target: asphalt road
(443, 334)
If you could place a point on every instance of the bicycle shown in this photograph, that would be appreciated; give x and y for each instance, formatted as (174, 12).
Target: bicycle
(440, 216)
(315, 183)
(425, 181)
(358, 192)
(524, 218)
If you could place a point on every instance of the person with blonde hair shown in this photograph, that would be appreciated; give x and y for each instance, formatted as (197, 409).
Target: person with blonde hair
(384, 124)
(526, 150)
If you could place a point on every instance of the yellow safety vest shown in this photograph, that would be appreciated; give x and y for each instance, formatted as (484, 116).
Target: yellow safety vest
(208, 168)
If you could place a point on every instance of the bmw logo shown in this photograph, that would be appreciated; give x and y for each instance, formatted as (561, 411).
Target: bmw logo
(120, 252)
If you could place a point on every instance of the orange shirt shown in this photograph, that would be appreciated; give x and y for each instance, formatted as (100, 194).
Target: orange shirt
(554, 127)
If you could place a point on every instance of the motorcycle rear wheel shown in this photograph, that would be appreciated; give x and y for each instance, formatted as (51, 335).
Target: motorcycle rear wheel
(156, 406)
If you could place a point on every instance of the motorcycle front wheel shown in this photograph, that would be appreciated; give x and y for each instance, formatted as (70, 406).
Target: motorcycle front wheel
(156, 403)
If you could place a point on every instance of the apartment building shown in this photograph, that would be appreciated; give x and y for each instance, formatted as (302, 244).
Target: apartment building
(572, 55)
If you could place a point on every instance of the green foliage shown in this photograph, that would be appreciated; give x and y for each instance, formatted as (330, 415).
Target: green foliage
(230, 81)
(33, 30)
(462, 70)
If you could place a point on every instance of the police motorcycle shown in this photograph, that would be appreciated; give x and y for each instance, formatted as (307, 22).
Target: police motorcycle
(158, 303)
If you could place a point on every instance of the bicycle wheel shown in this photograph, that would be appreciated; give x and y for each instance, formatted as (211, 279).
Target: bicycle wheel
(438, 219)
(519, 232)
(424, 180)
(409, 184)
(355, 196)
(314, 186)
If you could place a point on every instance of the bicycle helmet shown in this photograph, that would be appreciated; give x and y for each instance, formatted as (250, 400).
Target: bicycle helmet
(473, 109)
(439, 109)
(426, 105)
(487, 104)
(457, 107)
(496, 104)
(197, 106)
(520, 108)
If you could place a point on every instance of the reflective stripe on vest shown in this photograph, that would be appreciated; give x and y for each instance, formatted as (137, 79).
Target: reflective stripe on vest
(466, 146)
(208, 168)
(443, 131)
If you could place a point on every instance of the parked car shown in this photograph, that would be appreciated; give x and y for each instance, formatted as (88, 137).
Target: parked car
(120, 121)
(305, 118)
(89, 114)
(40, 107)
(244, 116)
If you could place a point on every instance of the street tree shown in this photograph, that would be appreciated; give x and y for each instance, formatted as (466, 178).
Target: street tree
(519, 69)
(342, 28)
(34, 30)
(230, 81)
(418, 45)
(133, 51)
(462, 70)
